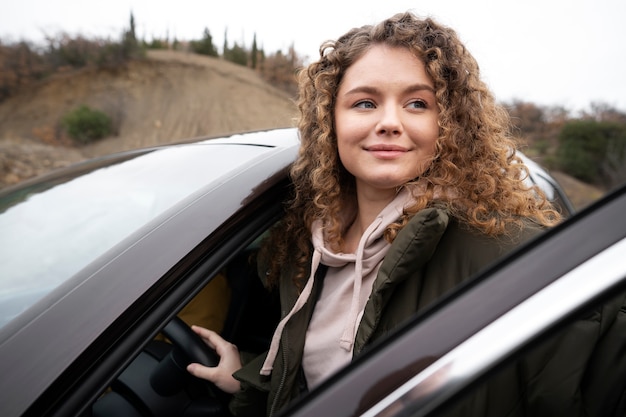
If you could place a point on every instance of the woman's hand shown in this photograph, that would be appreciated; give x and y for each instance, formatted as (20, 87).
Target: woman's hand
(222, 374)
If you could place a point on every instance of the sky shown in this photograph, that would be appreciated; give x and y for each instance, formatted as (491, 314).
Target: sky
(566, 53)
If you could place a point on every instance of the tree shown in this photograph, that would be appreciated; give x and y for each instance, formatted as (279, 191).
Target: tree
(280, 70)
(253, 57)
(604, 112)
(20, 64)
(131, 32)
(225, 47)
(130, 46)
(238, 55)
(205, 45)
(538, 127)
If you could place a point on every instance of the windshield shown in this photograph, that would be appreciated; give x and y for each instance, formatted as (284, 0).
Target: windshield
(57, 229)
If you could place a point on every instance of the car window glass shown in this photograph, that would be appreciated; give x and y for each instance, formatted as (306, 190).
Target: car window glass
(52, 234)
(568, 367)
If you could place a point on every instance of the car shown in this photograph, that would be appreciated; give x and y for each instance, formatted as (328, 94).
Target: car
(99, 261)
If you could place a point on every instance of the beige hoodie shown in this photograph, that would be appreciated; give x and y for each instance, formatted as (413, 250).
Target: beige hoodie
(346, 288)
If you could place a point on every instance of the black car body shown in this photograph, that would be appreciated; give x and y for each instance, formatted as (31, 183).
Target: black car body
(96, 259)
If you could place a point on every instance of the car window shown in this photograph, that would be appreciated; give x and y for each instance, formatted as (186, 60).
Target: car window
(236, 304)
(567, 367)
(558, 351)
(56, 230)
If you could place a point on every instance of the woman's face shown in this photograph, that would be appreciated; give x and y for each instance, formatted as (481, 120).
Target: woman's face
(386, 119)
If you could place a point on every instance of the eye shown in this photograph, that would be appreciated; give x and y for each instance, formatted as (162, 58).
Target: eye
(365, 104)
(418, 104)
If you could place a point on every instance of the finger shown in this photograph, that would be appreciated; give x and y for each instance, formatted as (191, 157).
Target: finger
(202, 371)
(223, 381)
(209, 336)
(215, 341)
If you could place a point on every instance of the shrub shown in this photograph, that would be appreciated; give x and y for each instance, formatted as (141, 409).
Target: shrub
(85, 125)
(593, 151)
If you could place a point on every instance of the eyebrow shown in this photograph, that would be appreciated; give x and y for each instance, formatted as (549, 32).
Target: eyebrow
(373, 90)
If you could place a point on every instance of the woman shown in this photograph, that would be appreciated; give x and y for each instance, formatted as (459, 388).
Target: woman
(406, 185)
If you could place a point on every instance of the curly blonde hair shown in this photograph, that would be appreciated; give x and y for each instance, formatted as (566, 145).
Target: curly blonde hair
(475, 174)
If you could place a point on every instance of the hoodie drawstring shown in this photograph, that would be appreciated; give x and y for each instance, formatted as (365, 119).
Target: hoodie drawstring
(268, 365)
(347, 338)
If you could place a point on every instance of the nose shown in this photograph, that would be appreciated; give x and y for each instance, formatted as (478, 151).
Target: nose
(389, 123)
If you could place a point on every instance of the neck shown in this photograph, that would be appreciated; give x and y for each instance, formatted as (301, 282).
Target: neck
(369, 206)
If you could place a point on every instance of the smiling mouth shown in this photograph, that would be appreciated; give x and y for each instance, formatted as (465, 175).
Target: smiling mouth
(386, 151)
(385, 148)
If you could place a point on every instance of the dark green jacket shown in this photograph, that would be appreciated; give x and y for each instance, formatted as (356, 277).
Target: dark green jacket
(430, 256)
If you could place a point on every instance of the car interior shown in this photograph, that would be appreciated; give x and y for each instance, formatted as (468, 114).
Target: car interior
(156, 382)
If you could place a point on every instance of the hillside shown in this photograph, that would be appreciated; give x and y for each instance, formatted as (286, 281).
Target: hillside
(169, 97)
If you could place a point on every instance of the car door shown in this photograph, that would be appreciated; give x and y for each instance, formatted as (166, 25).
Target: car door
(92, 373)
(451, 350)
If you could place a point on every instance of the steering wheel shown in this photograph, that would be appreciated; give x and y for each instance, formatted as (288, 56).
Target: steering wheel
(169, 375)
(157, 384)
